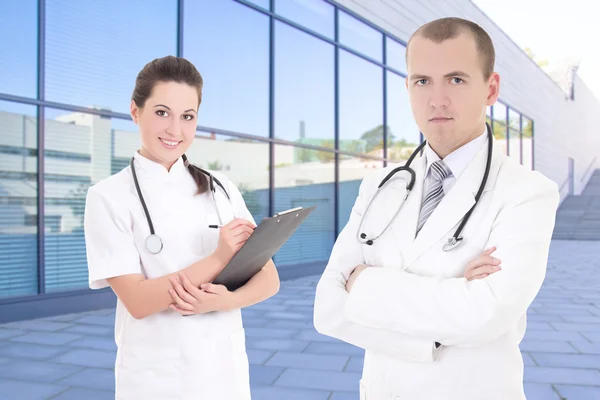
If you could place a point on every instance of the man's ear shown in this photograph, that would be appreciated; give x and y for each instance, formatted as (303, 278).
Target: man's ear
(493, 89)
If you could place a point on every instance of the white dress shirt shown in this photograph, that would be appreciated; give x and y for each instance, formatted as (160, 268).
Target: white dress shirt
(457, 161)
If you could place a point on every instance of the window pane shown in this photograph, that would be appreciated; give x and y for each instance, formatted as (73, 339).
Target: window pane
(395, 55)
(305, 184)
(97, 66)
(361, 105)
(233, 62)
(514, 136)
(352, 171)
(261, 3)
(18, 200)
(244, 162)
(78, 154)
(19, 56)
(403, 132)
(304, 88)
(499, 125)
(527, 143)
(313, 14)
(360, 37)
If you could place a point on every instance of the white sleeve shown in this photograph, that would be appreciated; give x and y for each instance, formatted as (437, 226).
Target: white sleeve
(332, 297)
(460, 312)
(109, 240)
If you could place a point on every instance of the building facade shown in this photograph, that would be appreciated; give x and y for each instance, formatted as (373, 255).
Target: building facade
(301, 100)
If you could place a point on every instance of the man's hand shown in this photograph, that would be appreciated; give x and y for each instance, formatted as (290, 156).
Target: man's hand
(357, 271)
(482, 266)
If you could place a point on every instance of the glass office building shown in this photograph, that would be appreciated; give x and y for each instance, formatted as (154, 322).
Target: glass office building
(302, 99)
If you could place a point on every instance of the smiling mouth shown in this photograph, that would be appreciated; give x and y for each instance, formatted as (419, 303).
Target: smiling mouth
(171, 144)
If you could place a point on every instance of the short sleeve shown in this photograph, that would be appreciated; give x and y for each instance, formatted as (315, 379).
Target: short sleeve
(239, 205)
(109, 242)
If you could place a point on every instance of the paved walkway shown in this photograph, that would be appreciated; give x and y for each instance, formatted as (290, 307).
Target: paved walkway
(70, 357)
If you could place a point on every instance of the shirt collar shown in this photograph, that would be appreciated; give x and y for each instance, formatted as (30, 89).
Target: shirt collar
(157, 170)
(458, 160)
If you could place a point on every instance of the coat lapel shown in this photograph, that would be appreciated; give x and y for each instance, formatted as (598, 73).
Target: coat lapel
(455, 204)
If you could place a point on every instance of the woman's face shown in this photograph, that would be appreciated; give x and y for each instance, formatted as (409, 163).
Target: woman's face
(167, 122)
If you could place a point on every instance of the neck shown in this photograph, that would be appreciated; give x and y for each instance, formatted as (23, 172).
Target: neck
(145, 153)
(444, 149)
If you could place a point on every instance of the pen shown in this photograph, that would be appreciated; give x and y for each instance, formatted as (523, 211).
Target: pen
(215, 226)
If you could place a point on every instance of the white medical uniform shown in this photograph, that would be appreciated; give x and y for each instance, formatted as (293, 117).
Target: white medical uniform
(165, 355)
(415, 294)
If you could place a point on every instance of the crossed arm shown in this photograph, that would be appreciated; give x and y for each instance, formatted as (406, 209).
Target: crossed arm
(454, 311)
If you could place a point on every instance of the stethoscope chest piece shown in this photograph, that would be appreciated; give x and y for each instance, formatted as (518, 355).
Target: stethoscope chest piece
(452, 243)
(154, 244)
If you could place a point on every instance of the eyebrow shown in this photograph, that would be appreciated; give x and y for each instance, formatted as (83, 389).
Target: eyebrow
(448, 75)
(162, 105)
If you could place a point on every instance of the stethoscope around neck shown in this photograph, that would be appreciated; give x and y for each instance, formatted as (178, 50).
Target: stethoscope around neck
(154, 243)
(456, 239)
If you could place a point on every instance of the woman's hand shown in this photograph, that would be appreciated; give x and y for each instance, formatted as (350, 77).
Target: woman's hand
(482, 266)
(189, 300)
(232, 237)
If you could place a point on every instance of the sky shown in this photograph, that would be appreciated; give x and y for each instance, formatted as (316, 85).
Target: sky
(554, 30)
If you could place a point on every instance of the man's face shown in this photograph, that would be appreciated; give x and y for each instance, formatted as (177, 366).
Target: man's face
(447, 91)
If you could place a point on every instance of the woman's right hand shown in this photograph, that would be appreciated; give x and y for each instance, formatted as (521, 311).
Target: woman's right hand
(232, 237)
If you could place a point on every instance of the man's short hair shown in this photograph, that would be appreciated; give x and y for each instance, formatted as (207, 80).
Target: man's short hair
(450, 28)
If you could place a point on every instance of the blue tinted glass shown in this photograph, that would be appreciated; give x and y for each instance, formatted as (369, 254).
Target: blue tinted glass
(18, 200)
(361, 105)
(360, 37)
(316, 15)
(229, 44)
(261, 3)
(499, 126)
(514, 135)
(304, 87)
(403, 132)
(18, 48)
(94, 50)
(305, 178)
(395, 55)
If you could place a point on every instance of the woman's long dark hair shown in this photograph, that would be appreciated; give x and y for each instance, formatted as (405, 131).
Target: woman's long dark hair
(171, 69)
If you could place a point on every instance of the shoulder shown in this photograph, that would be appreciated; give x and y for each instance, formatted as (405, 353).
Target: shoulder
(372, 180)
(116, 188)
(520, 183)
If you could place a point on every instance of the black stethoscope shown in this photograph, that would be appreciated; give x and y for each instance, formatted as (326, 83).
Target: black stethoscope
(455, 240)
(154, 242)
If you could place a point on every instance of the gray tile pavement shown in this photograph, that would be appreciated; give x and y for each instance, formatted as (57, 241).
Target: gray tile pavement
(71, 356)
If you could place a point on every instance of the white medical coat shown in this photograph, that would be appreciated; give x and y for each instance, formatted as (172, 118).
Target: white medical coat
(165, 355)
(415, 294)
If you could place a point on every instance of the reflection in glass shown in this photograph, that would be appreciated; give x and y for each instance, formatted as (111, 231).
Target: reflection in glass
(360, 37)
(499, 127)
(403, 132)
(18, 63)
(304, 88)
(361, 106)
(306, 184)
(315, 15)
(352, 171)
(527, 143)
(395, 55)
(233, 62)
(18, 200)
(514, 135)
(95, 49)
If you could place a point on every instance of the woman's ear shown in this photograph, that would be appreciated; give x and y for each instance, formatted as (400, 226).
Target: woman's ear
(134, 111)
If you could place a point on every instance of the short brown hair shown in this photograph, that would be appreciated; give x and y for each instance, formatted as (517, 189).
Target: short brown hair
(451, 27)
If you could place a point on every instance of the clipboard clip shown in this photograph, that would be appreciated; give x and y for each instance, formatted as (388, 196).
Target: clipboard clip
(291, 210)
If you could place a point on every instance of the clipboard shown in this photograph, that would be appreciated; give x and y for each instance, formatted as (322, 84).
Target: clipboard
(261, 246)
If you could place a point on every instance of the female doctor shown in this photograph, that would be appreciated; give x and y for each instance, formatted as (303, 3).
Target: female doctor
(160, 264)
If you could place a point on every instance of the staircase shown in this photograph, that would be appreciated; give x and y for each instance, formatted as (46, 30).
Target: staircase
(578, 217)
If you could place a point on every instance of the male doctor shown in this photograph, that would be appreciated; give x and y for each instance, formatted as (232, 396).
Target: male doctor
(443, 324)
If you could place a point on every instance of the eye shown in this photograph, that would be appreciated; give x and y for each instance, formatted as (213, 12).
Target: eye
(188, 117)
(457, 80)
(161, 113)
(421, 82)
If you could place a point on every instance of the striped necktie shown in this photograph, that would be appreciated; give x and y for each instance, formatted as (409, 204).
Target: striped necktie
(435, 191)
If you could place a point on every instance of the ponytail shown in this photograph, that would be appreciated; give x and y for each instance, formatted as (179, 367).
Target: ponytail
(199, 176)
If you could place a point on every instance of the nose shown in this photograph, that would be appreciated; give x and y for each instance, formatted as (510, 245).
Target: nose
(438, 97)
(173, 128)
